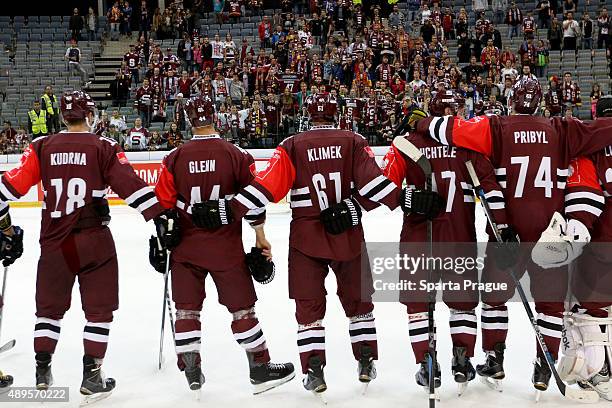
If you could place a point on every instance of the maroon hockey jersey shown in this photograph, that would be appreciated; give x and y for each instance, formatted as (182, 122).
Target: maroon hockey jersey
(320, 167)
(452, 181)
(206, 168)
(531, 156)
(75, 169)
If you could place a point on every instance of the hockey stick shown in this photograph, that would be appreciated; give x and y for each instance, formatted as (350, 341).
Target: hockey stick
(11, 343)
(573, 394)
(415, 154)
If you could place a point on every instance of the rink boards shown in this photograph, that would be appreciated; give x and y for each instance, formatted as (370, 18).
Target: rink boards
(146, 165)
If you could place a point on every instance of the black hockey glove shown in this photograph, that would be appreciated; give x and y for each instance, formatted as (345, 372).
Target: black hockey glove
(167, 227)
(157, 255)
(11, 247)
(261, 269)
(340, 217)
(423, 202)
(508, 251)
(212, 214)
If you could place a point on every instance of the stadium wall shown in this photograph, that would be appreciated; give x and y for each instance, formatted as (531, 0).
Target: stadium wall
(146, 165)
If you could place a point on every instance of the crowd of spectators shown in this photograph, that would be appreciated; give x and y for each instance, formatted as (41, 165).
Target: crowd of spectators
(378, 60)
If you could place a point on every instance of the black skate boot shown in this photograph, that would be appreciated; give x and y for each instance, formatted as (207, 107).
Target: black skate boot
(193, 370)
(44, 378)
(463, 370)
(366, 367)
(541, 376)
(265, 376)
(315, 380)
(422, 376)
(5, 382)
(492, 371)
(94, 386)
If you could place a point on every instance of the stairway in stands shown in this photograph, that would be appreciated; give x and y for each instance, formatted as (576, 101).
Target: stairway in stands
(106, 65)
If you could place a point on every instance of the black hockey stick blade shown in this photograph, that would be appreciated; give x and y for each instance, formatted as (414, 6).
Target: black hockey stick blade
(8, 345)
(414, 153)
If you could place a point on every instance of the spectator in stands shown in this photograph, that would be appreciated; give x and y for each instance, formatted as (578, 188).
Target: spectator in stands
(514, 18)
(594, 97)
(570, 90)
(541, 59)
(569, 6)
(144, 20)
(499, 9)
(218, 6)
(156, 24)
(143, 102)
(126, 19)
(265, 32)
(73, 55)
(91, 23)
(173, 136)
(7, 135)
(586, 29)
(50, 104)
(102, 125)
(75, 25)
(114, 19)
(118, 120)
(156, 142)
(571, 31)
(555, 35)
(554, 97)
(37, 121)
(544, 13)
(114, 133)
(137, 137)
(603, 29)
(529, 26)
(120, 88)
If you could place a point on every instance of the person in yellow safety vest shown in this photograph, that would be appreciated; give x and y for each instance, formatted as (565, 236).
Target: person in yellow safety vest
(50, 104)
(37, 121)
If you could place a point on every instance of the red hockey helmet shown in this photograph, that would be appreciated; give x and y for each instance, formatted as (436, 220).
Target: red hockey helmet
(200, 111)
(446, 99)
(526, 95)
(76, 105)
(322, 107)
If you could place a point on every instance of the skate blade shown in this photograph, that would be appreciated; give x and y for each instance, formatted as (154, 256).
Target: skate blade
(364, 388)
(319, 394)
(197, 394)
(495, 385)
(268, 385)
(435, 395)
(462, 387)
(538, 395)
(93, 398)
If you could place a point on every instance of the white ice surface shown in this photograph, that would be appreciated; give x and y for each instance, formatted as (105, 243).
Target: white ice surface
(132, 352)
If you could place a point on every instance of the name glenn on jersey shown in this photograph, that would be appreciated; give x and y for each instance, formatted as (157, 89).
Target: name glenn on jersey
(202, 166)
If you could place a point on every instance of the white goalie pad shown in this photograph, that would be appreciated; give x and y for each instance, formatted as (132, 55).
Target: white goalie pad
(560, 243)
(584, 347)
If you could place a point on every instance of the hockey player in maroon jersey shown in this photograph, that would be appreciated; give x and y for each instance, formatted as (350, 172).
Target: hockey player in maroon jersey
(531, 156)
(589, 219)
(324, 169)
(208, 167)
(76, 168)
(455, 225)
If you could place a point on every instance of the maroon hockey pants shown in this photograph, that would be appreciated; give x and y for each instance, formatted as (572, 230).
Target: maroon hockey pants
(90, 257)
(307, 287)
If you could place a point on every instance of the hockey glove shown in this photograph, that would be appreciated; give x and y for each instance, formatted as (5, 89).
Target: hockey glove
(157, 255)
(261, 269)
(560, 243)
(212, 214)
(340, 217)
(508, 251)
(11, 246)
(423, 202)
(167, 227)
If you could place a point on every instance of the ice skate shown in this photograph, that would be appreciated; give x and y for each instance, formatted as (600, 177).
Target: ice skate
(492, 371)
(463, 370)
(5, 382)
(193, 372)
(422, 376)
(95, 386)
(266, 376)
(366, 368)
(44, 378)
(600, 383)
(541, 376)
(315, 380)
